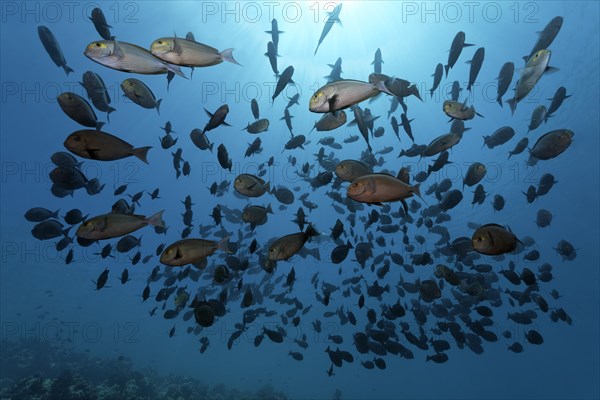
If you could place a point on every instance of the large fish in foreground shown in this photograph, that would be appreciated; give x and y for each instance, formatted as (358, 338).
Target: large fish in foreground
(189, 53)
(530, 75)
(102, 146)
(128, 57)
(192, 251)
(334, 17)
(380, 188)
(53, 48)
(108, 226)
(342, 94)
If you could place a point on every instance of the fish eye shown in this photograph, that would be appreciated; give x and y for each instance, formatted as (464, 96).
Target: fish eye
(160, 42)
(97, 44)
(76, 138)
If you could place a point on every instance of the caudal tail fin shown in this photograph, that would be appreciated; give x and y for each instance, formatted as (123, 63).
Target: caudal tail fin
(513, 105)
(141, 153)
(156, 220)
(67, 69)
(227, 55)
(223, 245)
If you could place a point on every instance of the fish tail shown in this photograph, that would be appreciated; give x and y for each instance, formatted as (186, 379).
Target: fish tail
(156, 220)
(268, 188)
(513, 105)
(414, 90)
(141, 153)
(417, 190)
(99, 125)
(227, 55)
(210, 147)
(446, 68)
(65, 232)
(269, 209)
(316, 254)
(68, 69)
(311, 231)
(110, 109)
(223, 245)
(382, 88)
(499, 100)
(158, 106)
(175, 69)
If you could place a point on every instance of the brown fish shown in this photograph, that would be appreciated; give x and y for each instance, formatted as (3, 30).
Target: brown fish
(552, 144)
(192, 251)
(493, 240)
(112, 225)
(102, 146)
(286, 246)
(378, 188)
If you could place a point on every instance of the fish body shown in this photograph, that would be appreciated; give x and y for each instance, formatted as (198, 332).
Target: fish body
(530, 75)
(53, 48)
(475, 64)
(108, 226)
(250, 185)
(191, 251)
(189, 53)
(552, 144)
(458, 43)
(493, 239)
(140, 94)
(342, 94)
(99, 21)
(128, 57)
(102, 146)
(79, 110)
(286, 246)
(258, 126)
(457, 110)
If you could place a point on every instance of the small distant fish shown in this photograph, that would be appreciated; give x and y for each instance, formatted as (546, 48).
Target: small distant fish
(475, 64)
(377, 61)
(457, 110)
(78, 110)
(334, 16)
(504, 79)
(274, 32)
(53, 48)
(99, 21)
(437, 78)
(272, 55)
(458, 43)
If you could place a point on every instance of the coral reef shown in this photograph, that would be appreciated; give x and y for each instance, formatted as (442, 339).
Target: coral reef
(40, 371)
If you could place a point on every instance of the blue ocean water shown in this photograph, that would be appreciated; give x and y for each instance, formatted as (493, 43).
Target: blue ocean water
(46, 300)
